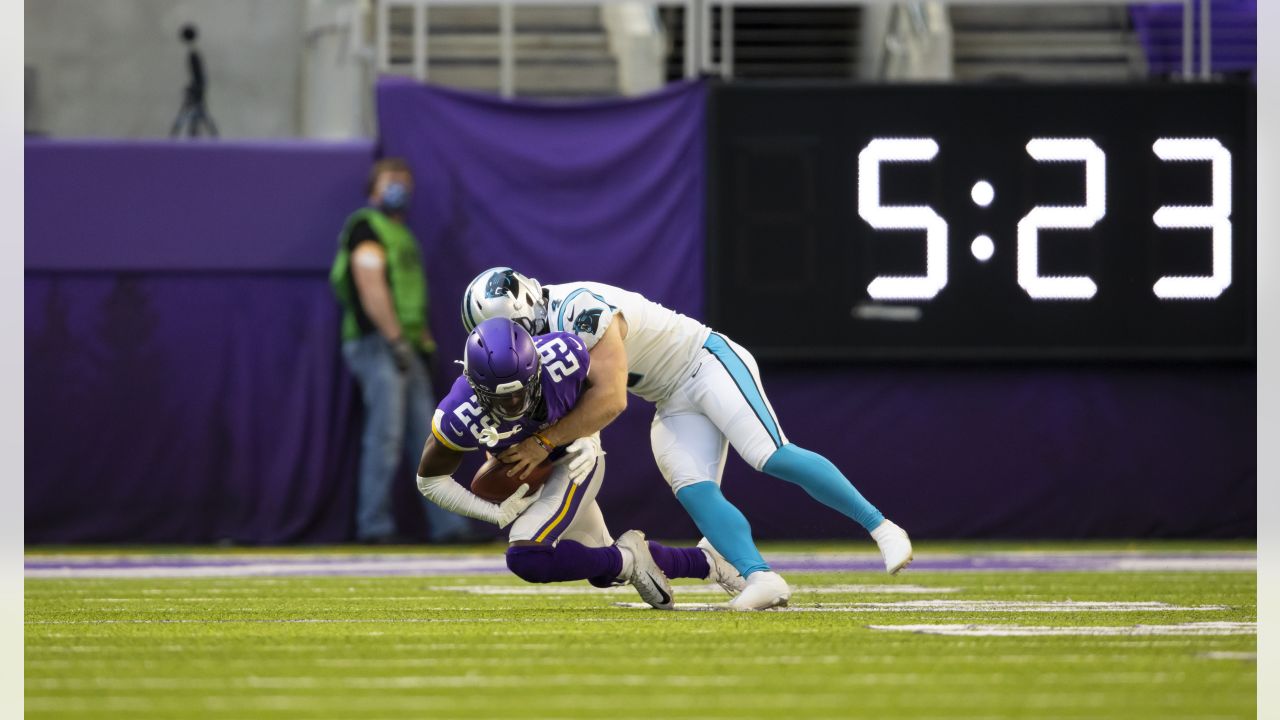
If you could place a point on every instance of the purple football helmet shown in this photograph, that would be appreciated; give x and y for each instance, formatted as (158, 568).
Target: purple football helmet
(502, 366)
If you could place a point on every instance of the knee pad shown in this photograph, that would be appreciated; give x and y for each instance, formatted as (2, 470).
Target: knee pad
(531, 563)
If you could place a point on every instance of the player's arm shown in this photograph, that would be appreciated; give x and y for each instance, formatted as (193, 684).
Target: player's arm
(603, 400)
(435, 482)
(604, 396)
(369, 269)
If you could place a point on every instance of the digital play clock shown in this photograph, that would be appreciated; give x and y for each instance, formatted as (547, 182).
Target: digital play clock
(1004, 221)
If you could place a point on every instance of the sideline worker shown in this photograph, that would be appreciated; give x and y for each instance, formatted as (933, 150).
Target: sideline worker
(377, 276)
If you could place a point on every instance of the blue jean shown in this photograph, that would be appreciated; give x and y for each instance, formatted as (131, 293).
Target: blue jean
(398, 409)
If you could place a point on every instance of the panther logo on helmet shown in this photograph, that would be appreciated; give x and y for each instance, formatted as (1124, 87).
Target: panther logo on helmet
(503, 292)
(502, 283)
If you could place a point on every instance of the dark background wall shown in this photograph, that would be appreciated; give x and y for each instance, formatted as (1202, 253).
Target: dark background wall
(184, 383)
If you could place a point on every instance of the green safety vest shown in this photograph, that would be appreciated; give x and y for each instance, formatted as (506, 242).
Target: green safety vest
(404, 276)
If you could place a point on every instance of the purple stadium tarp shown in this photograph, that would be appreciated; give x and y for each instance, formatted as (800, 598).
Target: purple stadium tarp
(203, 206)
(184, 383)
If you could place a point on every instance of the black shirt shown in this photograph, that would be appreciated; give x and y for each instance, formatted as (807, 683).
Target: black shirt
(360, 233)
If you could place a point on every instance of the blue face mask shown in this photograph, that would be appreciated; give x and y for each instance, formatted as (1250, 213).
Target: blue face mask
(395, 198)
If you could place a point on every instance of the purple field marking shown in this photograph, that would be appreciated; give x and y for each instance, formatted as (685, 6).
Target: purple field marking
(372, 565)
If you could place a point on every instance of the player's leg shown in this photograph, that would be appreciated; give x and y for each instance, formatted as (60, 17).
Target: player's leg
(700, 563)
(542, 550)
(442, 525)
(589, 528)
(730, 392)
(533, 554)
(383, 389)
(690, 452)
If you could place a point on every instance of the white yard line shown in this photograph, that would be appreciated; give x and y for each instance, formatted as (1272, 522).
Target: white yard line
(1225, 655)
(970, 606)
(1205, 628)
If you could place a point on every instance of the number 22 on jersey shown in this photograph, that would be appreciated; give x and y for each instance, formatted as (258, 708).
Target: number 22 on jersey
(557, 359)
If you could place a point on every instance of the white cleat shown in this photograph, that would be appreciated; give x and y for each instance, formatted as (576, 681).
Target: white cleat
(764, 589)
(647, 578)
(722, 573)
(895, 546)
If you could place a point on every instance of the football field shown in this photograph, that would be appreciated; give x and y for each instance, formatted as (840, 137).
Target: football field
(1089, 630)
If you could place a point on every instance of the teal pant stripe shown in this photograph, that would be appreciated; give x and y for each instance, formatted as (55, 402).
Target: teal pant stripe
(746, 383)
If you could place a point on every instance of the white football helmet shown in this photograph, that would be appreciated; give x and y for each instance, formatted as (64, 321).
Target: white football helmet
(503, 292)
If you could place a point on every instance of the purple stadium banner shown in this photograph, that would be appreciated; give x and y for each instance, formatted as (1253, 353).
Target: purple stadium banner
(203, 206)
(608, 191)
(184, 382)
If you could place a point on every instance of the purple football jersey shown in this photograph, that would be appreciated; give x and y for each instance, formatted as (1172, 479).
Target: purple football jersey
(461, 424)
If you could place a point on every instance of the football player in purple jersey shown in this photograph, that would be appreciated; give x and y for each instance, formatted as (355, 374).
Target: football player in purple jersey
(708, 396)
(512, 386)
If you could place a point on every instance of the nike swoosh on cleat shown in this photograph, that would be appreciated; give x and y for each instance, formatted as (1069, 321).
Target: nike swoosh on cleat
(666, 599)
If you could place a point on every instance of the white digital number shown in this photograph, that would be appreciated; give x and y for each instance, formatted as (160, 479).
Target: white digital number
(1062, 217)
(902, 217)
(470, 413)
(557, 359)
(1216, 216)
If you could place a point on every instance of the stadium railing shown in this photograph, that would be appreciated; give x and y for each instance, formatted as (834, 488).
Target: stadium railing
(699, 38)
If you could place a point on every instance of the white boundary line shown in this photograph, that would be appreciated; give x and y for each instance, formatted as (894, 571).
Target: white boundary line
(1205, 628)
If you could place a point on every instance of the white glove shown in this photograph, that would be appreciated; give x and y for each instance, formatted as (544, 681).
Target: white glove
(582, 455)
(451, 496)
(515, 504)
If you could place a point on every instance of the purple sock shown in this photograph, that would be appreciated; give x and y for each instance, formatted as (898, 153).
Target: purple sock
(568, 560)
(680, 562)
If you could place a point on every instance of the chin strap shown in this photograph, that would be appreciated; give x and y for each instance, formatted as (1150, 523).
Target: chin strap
(491, 437)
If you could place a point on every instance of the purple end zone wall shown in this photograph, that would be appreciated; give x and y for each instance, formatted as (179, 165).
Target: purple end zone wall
(183, 380)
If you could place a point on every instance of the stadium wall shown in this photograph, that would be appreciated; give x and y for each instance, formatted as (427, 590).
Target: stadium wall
(184, 382)
(117, 68)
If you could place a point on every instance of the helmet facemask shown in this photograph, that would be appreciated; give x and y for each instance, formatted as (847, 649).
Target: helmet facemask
(503, 368)
(510, 400)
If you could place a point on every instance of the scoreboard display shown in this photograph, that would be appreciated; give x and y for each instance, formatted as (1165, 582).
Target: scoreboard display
(1005, 221)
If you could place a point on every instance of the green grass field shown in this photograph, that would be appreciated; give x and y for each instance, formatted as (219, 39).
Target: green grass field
(484, 645)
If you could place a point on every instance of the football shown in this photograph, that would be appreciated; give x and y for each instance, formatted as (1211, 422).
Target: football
(492, 484)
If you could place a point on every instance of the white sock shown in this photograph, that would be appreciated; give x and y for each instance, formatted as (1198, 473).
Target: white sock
(628, 562)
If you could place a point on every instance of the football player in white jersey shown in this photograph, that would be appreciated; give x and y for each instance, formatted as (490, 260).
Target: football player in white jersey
(708, 394)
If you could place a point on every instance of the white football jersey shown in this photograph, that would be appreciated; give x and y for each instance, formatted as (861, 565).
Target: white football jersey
(660, 343)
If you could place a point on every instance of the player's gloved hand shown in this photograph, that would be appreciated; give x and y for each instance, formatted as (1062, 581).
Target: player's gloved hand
(515, 504)
(402, 354)
(582, 455)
